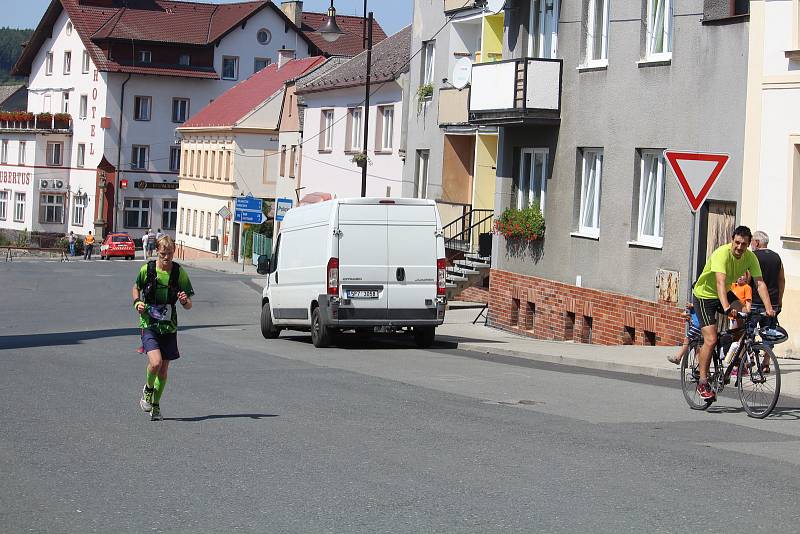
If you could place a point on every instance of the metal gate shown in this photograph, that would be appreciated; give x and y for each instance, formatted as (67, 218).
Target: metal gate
(261, 245)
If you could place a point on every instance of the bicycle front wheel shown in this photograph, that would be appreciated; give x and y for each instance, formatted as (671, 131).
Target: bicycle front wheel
(759, 381)
(690, 374)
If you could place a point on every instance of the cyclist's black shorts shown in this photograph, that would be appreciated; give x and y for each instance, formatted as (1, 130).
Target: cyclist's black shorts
(707, 309)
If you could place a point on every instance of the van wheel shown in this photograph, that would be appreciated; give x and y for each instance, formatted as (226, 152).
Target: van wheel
(268, 329)
(424, 336)
(320, 334)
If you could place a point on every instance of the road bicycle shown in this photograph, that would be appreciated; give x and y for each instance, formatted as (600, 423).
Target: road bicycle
(758, 376)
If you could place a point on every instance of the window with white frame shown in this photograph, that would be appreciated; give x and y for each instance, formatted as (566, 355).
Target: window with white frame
(67, 62)
(22, 147)
(180, 110)
(78, 209)
(651, 198)
(83, 109)
(194, 223)
(659, 29)
(208, 225)
(85, 62)
(69, 28)
(81, 160)
(141, 108)
(355, 129)
(421, 175)
(48, 64)
(184, 60)
(260, 63)
(428, 62)
(327, 129)
(136, 213)
(543, 28)
(19, 207)
(597, 32)
(532, 179)
(65, 102)
(4, 204)
(230, 67)
(387, 128)
(4, 151)
(174, 158)
(145, 56)
(51, 208)
(139, 156)
(181, 221)
(591, 181)
(202, 223)
(169, 214)
(55, 151)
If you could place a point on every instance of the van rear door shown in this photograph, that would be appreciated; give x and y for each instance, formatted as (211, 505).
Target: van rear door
(412, 262)
(363, 254)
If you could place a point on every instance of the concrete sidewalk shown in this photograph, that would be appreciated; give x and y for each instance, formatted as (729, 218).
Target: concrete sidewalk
(221, 266)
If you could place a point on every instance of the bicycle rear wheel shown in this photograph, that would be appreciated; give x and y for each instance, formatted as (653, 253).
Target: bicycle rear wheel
(690, 374)
(759, 381)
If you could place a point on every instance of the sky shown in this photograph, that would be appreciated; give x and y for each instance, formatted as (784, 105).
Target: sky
(393, 15)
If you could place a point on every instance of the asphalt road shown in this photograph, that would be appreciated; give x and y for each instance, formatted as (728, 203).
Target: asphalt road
(376, 436)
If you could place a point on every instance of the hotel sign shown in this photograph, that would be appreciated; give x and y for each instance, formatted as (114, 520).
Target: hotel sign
(142, 184)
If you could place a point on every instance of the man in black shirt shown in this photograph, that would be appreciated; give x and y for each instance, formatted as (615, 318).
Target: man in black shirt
(772, 272)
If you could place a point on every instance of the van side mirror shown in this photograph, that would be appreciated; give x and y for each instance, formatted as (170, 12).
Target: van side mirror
(273, 264)
(264, 264)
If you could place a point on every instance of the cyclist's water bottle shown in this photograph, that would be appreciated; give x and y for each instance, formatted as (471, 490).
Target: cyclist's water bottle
(731, 352)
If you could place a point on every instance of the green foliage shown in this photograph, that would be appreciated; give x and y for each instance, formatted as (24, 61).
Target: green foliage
(527, 223)
(11, 40)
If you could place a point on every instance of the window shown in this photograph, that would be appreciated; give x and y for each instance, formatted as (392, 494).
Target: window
(292, 160)
(386, 128)
(85, 62)
(48, 64)
(182, 221)
(354, 120)
(283, 161)
(185, 60)
(659, 29)
(532, 182)
(208, 225)
(174, 158)
(4, 204)
(230, 67)
(169, 214)
(51, 208)
(260, 63)
(597, 32)
(19, 207)
(740, 7)
(428, 62)
(69, 28)
(136, 213)
(22, 146)
(81, 155)
(141, 108)
(543, 29)
(651, 198)
(67, 62)
(78, 209)
(84, 106)
(180, 110)
(47, 102)
(65, 102)
(54, 151)
(326, 130)
(194, 223)
(144, 56)
(421, 176)
(264, 36)
(4, 151)
(139, 156)
(591, 178)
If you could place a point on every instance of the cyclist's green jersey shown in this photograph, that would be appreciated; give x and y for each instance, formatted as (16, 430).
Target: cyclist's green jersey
(723, 261)
(162, 318)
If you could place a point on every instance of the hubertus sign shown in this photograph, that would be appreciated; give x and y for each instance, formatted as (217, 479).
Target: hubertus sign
(142, 184)
(12, 177)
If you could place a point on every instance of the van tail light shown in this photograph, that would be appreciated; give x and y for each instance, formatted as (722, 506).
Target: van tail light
(441, 276)
(333, 276)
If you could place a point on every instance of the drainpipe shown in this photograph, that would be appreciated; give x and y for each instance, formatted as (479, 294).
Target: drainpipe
(119, 150)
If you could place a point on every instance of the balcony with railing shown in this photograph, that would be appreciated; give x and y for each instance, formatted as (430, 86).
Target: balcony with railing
(516, 91)
(25, 122)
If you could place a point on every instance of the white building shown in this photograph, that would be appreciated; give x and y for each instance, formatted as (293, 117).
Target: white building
(333, 130)
(128, 76)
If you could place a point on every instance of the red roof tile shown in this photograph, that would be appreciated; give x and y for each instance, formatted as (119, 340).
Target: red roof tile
(237, 102)
(349, 44)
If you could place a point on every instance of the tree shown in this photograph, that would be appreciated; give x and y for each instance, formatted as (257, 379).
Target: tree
(11, 40)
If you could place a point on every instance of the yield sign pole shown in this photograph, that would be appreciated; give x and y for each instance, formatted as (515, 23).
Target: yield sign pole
(696, 173)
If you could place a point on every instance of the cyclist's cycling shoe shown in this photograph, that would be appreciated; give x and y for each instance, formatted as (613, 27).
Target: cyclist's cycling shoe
(706, 393)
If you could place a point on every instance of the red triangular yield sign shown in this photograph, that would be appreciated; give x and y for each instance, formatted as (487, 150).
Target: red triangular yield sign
(696, 173)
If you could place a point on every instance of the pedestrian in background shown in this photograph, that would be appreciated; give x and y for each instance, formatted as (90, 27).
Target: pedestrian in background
(71, 238)
(151, 243)
(772, 271)
(145, 238)
(88, 245)
(159, 234)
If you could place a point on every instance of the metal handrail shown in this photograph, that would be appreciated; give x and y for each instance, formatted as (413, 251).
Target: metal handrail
(458, 233)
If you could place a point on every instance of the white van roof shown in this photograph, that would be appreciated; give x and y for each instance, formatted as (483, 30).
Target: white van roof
(378, 200)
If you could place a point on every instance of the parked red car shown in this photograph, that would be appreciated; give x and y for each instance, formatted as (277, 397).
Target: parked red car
(117, 245)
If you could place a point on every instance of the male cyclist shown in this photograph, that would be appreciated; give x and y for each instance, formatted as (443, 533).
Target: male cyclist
(712, 294)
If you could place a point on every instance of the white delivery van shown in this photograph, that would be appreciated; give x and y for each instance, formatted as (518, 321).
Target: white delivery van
(356, 264)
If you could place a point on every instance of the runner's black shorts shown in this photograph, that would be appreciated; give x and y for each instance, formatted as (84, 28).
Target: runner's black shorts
(166, 343)
(707, 309)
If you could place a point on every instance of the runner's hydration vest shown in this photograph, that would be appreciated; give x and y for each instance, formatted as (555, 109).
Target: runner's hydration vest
(148, 292)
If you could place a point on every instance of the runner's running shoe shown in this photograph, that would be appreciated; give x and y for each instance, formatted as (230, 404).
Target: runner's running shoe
(155, 414)
(706, 392)
(146, 403)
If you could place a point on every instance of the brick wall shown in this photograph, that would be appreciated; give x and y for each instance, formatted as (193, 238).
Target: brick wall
(189, 253)
(473, 294)
(545, 309)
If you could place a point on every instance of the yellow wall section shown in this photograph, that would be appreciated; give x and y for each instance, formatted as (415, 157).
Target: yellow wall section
(485, 173)
(492, 39)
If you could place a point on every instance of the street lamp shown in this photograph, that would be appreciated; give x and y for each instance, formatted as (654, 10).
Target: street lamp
(330, 31)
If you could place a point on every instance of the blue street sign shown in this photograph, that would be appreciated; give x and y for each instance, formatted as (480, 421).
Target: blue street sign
(282, 205)
(248, 204)
(248, 210)
(249, 217)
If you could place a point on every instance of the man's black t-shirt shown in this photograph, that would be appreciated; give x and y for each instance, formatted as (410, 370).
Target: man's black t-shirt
(770, 268)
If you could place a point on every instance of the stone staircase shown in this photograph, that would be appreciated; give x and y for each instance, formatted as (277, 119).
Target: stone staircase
(465, 273)
(467, 243)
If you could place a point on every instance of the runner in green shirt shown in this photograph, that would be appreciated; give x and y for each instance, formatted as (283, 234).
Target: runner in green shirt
(712, 294)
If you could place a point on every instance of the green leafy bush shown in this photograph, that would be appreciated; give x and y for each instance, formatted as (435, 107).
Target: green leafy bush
(527, 223)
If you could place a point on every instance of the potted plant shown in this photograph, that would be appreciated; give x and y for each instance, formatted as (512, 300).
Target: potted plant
(525, 224)
(424, 94)
(44, 120)
(361, 159)
(62, 120)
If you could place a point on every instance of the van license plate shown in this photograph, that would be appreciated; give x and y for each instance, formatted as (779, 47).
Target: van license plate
(361, 294)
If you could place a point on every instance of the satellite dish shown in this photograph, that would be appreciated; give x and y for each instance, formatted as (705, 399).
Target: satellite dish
(462, 71)
(495, 6)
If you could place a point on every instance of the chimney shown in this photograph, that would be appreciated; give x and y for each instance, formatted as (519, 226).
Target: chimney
(285, 55)
(294, 10)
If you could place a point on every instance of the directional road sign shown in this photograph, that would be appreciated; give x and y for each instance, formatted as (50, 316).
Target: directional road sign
(696, 173)
(248, 210)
